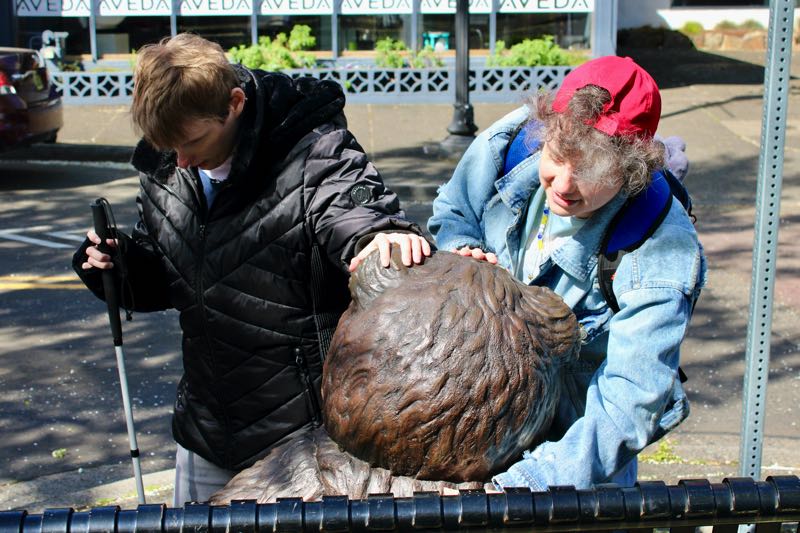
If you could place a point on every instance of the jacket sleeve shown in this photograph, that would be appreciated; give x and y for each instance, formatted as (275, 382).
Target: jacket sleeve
(139, 277)
(635, 396)
(458, 208)
(624, 402)
(346, 197)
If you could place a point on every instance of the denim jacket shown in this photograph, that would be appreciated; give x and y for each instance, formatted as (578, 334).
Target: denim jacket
(623, 393)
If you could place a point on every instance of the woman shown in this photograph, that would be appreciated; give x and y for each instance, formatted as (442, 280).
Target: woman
(544, 221)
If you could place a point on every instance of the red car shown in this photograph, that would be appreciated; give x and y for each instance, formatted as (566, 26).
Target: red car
(30, 107)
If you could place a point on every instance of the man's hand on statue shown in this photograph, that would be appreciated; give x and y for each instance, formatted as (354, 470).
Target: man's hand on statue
(413, 248)
(477, 253)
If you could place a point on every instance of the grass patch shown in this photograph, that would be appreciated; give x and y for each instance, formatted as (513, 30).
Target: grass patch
(665, 454)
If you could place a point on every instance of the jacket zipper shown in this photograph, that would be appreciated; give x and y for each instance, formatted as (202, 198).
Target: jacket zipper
(203, 215)
(312, 398)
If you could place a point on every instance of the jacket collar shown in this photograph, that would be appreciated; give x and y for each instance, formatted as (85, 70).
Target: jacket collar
(578, 256)
(517, 187)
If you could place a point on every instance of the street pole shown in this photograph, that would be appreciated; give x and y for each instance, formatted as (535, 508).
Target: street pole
(462, 128)
(254, 23)
(8, 25)
(765, 248)
(93, 29)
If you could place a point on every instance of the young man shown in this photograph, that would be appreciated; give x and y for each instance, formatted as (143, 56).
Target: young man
(253, 198)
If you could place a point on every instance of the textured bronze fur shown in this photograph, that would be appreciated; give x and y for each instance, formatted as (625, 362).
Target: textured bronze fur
(444, 371)
(447, 370)
(311, 466)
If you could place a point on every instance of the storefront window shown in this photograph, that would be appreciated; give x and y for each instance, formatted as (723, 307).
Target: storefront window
(361, 32)
(228, 31)
(439, 31)
(320, 27)
(571, 30)
(131, 34)
(29, 32)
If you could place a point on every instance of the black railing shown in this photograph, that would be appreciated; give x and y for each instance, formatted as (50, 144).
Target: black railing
(768, 505)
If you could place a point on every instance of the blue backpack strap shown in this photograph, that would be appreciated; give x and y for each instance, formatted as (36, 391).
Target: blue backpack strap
(519, 147)
(636, 222)
(639, 217)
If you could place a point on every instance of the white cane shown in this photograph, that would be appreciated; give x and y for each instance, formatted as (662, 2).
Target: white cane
(100, 214)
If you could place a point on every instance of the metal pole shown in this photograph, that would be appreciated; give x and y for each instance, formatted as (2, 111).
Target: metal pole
(254, 23)
(8, 25)
(335, 28)
(415, 8)
(493, 26)
(93, 28)
(173, 18)
(768, 201)
(462, 128)
(604, 28)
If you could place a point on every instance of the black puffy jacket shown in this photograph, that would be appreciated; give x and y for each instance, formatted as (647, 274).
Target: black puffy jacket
(240, 273)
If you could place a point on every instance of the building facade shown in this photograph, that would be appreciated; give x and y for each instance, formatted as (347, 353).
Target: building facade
(101, 28)
(339, 26)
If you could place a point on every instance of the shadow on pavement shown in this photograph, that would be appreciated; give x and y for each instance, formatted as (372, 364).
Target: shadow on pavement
(57, 176)
(678, 68)
(70, 152)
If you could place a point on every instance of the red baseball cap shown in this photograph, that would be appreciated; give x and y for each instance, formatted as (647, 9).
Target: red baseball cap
(635, 106)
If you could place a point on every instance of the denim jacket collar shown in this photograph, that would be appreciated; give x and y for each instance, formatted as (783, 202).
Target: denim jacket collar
(578, 256)
(518, 186)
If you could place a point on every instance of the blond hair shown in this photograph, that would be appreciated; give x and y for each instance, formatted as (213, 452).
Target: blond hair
(180, 78)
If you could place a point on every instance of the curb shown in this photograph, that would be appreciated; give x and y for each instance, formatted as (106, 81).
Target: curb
(85, 488)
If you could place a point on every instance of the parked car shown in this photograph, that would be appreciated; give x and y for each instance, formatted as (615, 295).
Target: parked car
(30, 106)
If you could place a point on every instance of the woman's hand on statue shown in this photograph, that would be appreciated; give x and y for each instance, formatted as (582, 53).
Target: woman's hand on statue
(477, 253)
(413, 249)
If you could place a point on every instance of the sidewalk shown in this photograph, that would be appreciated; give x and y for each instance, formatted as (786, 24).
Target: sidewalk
(714, 103)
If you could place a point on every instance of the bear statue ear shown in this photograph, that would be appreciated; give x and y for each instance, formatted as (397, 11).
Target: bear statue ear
(371, 278)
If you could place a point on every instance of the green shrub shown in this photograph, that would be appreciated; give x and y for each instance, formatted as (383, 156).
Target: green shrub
(280, 53)
(300, 38)
(532, 53)
(752, 25)
(391, 53)
(425, 58)
(692, 28)
(388, 53)
(69, 66)
(726, 25)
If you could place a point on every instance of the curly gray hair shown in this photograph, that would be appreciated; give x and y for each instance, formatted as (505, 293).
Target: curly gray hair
(596, 157)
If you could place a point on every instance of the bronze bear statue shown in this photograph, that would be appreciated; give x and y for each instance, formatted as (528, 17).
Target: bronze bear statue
(437, 374)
